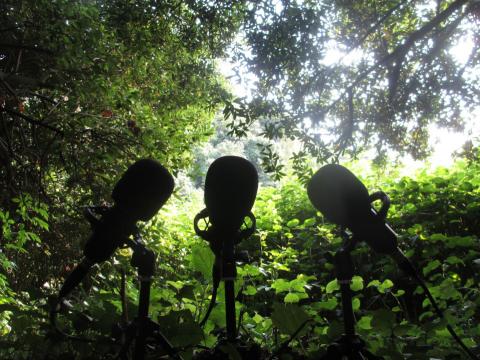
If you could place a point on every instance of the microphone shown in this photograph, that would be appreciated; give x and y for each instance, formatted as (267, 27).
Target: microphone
(230, 189)
(343, 199)
(138, 195)
(231, 186)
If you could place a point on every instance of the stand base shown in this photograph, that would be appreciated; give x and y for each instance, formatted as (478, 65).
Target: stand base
(237, 349)
(349, 347)
(151, 331)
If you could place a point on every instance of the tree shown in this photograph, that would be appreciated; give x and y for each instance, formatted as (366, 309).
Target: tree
(88, 87)
(344, 76)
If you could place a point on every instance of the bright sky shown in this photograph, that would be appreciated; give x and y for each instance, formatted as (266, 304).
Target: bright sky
(444, 142)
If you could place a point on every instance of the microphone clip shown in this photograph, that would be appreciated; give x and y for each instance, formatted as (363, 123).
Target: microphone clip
(380, 195)
(210, 234)
(93, 213)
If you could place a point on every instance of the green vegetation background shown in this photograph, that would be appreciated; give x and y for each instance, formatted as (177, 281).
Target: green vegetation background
(87, 87)
(287, 280)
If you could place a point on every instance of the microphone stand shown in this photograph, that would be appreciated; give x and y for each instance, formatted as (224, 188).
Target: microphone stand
(143, 327)
(229, 273)
(222, 242)
(349, 346)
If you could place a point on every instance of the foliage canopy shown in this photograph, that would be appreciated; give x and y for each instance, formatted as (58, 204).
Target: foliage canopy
(86, 87)
(344, 76)
(289, 279)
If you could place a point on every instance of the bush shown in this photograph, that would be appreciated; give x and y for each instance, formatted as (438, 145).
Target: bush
(287, 288)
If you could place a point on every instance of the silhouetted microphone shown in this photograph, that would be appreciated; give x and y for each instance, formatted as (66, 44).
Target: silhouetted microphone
(343, 199)
(230, 189)
(138, 195)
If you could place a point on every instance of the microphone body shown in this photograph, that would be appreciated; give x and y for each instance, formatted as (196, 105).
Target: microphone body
(138, 195)
(75, 278)
(230, 189)
(343, 199)
(143, 189)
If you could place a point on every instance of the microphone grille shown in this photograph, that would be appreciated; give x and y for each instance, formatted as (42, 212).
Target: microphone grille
(143, 189)
(230, 190)
(337, 193)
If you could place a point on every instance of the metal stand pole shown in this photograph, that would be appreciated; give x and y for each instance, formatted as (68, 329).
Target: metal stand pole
(144, 260)
(229, 272)
(344, 268)
(143, 327)
(349, 346)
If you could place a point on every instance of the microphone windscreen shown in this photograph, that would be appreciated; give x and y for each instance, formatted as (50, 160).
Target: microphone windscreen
(230, 189)
(143, 189)
(339, 195)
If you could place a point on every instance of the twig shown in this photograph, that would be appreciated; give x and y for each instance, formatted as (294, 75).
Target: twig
(401, 51)
(31, 120)
(293, 336)
(26, 47)
(374, 27)
(123, 297)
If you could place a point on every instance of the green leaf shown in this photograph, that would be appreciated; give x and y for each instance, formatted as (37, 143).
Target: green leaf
(309, 222)
(42, 212)
(176, 284)
(453, 260)
(437, 237)
(356, 304)
(330, 304)
(250, 290)
(461, 241)
(406, 329)
(375, 283)
(300, 282)
(432, 265)
(202, 260)
(291, 298)
(365, 323)
(258, 318)
(288, 317)
(40, 222)
(385, 285)
(332, 286)
(293, 223)
(250, 270)
(280, 285)
(357, 283)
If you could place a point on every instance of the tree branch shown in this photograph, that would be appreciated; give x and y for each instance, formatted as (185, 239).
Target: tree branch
(31, 120)
(23, 81)
(9, 29)
(375, 27)
(26, 47)
(400, 51)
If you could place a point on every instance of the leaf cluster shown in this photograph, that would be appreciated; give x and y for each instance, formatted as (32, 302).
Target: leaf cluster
(286, 288)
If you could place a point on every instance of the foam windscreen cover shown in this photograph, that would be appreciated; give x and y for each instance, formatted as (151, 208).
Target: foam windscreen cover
(143, 189)
(338, 194)
(230, 189)
(343, 199)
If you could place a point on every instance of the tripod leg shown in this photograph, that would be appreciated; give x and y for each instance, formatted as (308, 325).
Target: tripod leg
(369, 356)
(142, 319)
(129, 336)
(229, 274)
(154, 330)
(230, 309)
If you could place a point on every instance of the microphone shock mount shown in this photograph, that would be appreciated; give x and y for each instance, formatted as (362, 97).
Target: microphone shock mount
(222, 243)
